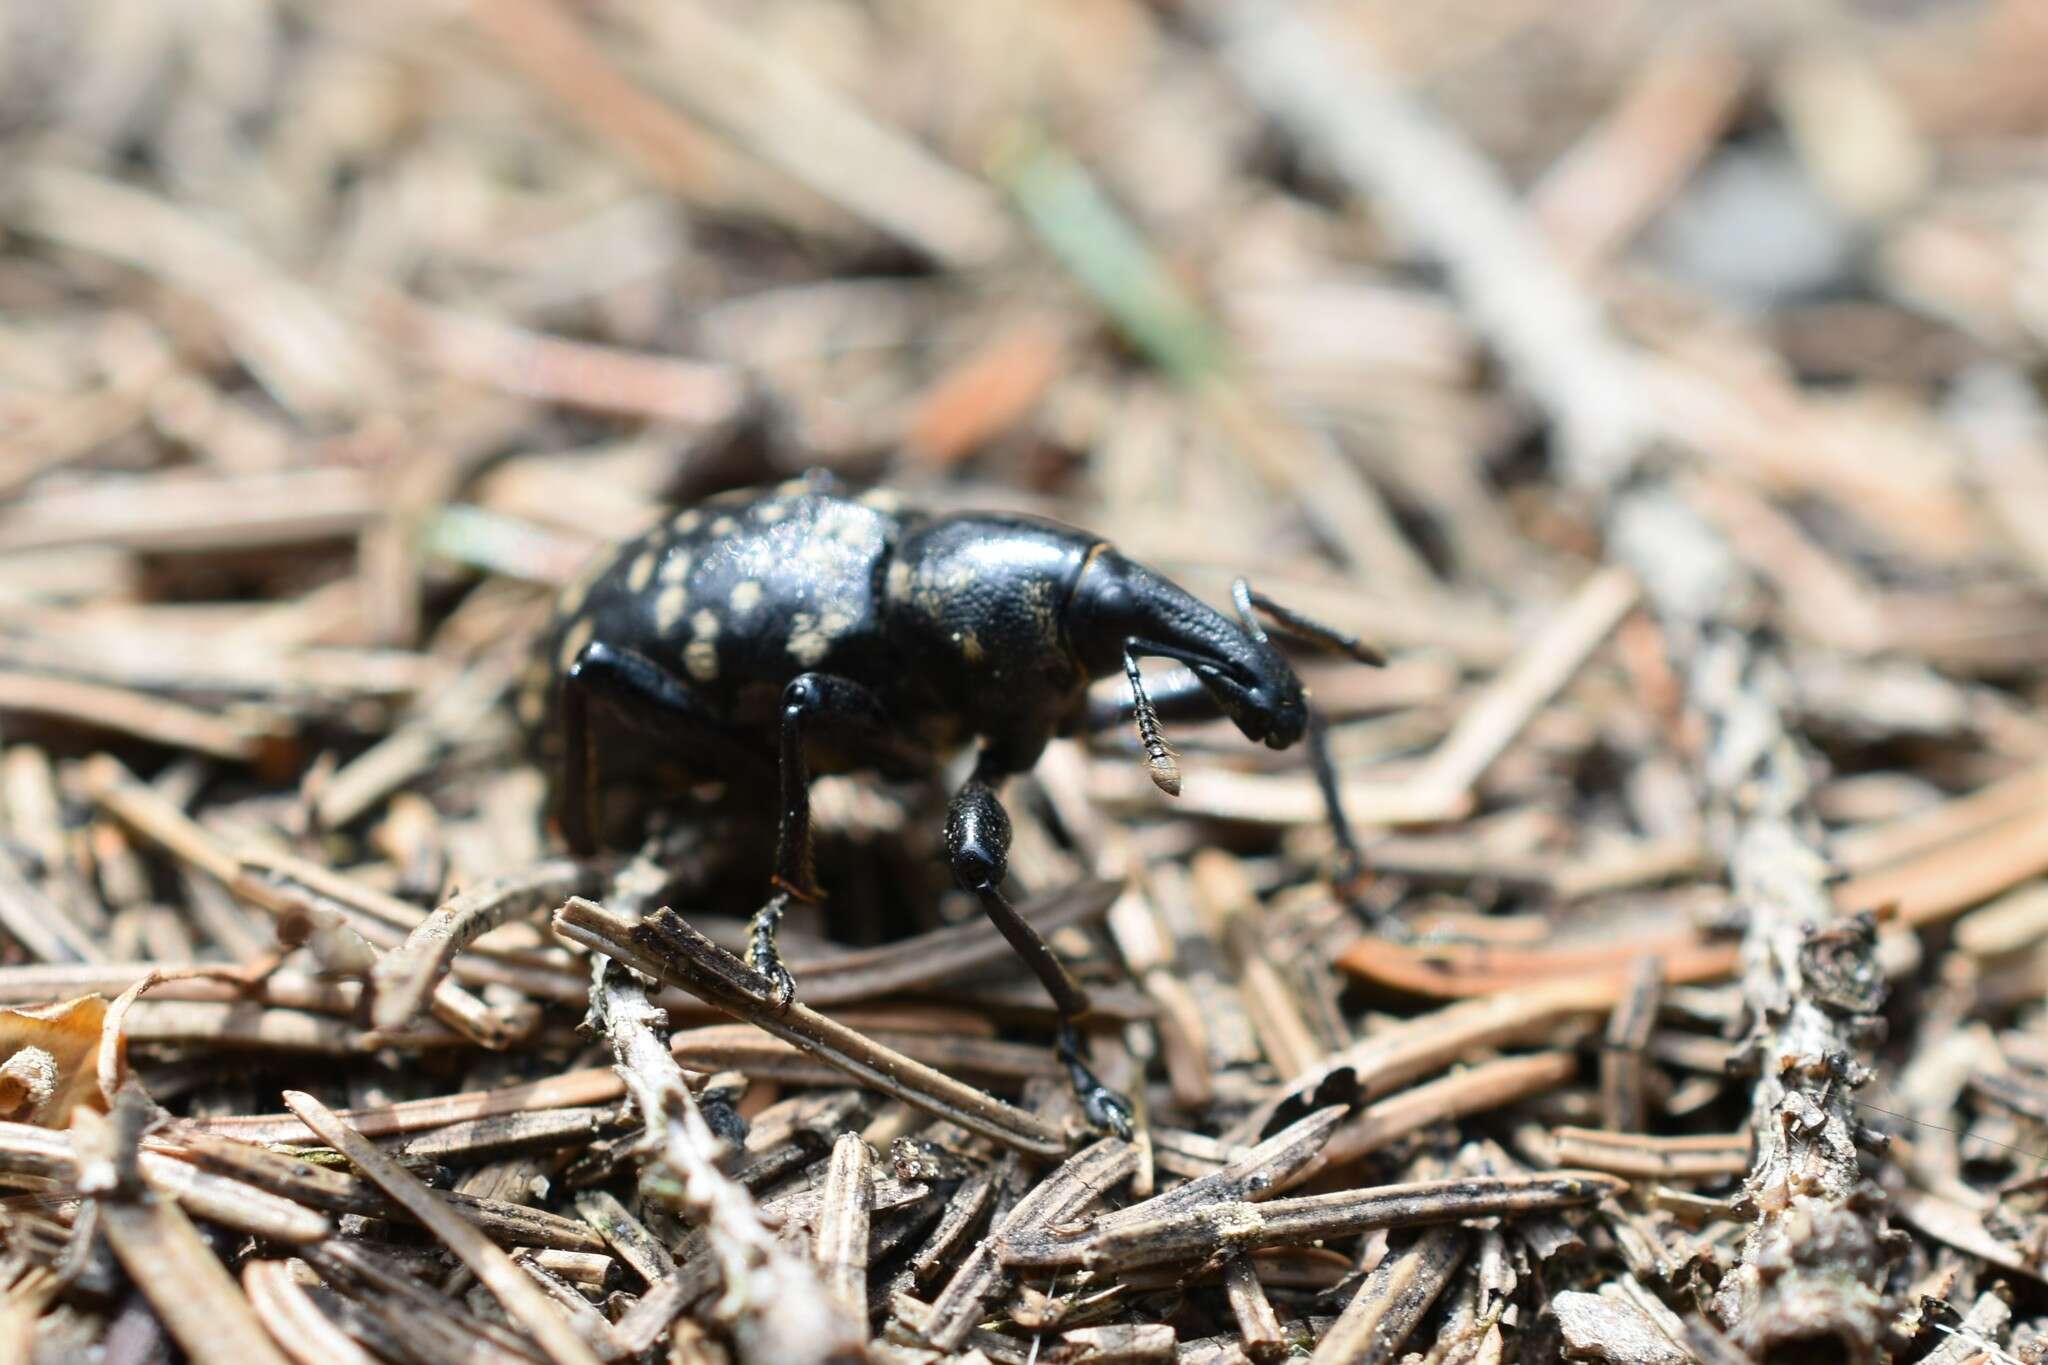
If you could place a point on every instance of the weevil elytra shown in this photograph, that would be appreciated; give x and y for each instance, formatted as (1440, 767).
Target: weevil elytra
(764, 636)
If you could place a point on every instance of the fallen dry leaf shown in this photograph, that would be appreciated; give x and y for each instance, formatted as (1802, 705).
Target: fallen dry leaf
(52, 1060)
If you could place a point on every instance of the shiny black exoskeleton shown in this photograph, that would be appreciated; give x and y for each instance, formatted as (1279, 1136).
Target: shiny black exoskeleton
(766, 635)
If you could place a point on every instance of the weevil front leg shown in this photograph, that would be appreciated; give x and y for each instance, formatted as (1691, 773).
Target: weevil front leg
(978, 847)
(812, 703)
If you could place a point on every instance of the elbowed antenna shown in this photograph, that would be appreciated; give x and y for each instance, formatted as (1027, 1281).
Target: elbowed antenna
(1294, 624)
(1160, 760)
(1321, 759)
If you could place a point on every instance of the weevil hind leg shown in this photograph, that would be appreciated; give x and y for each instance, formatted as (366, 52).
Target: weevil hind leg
(978, 847)
(630, 692)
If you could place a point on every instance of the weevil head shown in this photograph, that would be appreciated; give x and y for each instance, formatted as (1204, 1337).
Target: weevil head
(1119, 604)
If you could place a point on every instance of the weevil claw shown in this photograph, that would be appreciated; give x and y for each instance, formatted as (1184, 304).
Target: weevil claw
(1104, 1107)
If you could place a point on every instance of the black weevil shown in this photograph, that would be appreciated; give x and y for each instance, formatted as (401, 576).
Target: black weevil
(766, 635)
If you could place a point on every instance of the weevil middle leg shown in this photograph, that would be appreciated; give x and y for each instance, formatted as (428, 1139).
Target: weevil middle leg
(978, 846)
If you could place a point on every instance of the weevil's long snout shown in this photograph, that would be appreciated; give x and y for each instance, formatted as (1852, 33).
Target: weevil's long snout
(1119, 608)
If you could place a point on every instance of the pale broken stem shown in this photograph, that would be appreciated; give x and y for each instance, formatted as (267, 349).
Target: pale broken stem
(843, 1244)
(1813, 990)
(666, 948)
(405, 978)
(1538, 673)
(778, 1310)
(525, 1302)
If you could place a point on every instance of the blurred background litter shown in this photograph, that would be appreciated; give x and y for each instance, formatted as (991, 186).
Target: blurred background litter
(1660, 385)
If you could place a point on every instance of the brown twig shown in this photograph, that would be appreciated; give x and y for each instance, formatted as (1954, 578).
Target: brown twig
(521, 1298)
(665, 947)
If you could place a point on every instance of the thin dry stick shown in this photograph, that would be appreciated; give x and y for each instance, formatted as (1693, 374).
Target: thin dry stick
(318, 1187)
(1810, 978)
(1083, 1178)
(37, 923)
(1619, 174)
(308, 1335)
(1873, 850)
(556, 369)
(1941, 881)
(413, 747)
(1235, 1227)
(419, 1312)
(1387, 1060)
(778, 1309)
(1621, 1055)
(591, 1085)
(406, 977)
(1511, 700)
(129, 712)
(1481, 1089)
(636, 1246)
(301, 351)
(1377, 1322)
(29, 1150)
(1637, 1157)
(664, 946)
(521, 1298)
(1257, 1173)
(842, 1245)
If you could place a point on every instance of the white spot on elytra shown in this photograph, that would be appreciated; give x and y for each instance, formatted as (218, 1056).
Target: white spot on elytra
(724, 526)
(789, 488)
(807, 644)
(675, 568)
(701, 658)
(704, 625)
(768, 513)
(898, 580)
(881, 500)
(745, 596)
(573, 642)
(642, 570)
(668, 608)
(579, 587)
(687, 522)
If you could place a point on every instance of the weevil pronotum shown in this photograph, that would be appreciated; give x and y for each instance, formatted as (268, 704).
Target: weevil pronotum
(764, 636)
